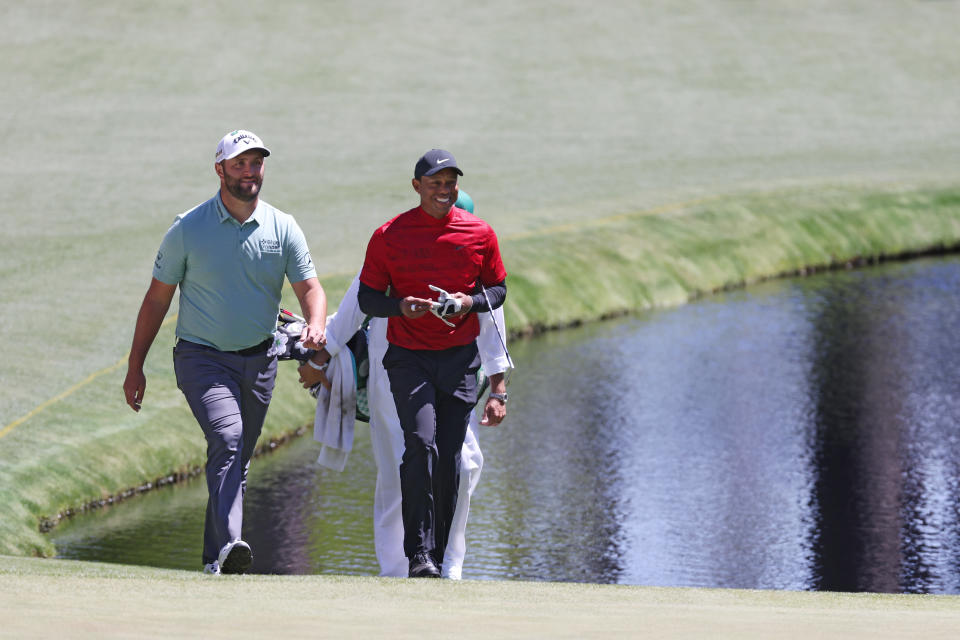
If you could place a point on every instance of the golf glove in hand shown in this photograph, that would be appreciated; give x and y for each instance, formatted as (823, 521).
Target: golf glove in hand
(446, 305)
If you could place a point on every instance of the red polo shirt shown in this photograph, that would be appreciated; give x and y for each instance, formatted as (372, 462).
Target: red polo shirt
(415, 250)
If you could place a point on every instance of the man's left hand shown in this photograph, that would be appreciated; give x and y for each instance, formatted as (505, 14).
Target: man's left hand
(493, 412)
(465, 303)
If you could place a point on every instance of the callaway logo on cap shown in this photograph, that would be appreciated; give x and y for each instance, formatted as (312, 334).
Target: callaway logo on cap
(433, 161)
(236, 142)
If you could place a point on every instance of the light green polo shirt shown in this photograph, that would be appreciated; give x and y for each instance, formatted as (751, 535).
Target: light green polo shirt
(231, 275)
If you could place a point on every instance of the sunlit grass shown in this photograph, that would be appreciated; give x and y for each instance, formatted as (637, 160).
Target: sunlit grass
(56, 599)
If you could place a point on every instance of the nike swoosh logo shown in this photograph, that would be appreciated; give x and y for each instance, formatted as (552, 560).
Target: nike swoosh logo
(442, 161)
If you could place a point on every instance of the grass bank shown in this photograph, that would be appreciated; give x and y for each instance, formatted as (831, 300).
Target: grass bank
(55, 599)
(670, 255)
(86, 447)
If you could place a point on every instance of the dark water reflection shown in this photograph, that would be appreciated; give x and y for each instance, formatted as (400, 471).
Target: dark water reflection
(800, 434)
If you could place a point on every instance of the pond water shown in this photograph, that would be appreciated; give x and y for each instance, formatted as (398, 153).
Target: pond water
(799, 434)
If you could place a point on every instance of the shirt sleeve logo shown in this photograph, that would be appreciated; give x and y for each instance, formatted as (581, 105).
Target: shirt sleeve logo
(269, 246)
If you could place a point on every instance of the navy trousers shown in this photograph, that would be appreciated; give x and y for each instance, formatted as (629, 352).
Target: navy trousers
(434, 391)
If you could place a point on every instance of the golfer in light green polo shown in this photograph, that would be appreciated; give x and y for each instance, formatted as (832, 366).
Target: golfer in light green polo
(229, 257)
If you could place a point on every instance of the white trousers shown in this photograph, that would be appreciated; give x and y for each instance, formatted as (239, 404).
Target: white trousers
(386, 437)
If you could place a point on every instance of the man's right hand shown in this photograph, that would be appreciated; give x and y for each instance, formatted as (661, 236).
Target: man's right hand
(149, 319)
(413, 307)
(134, 386)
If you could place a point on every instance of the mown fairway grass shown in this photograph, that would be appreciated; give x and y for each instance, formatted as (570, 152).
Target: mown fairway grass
(55, 599)
(629, 155)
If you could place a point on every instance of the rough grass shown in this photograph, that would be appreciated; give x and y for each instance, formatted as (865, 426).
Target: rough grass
(629, 262)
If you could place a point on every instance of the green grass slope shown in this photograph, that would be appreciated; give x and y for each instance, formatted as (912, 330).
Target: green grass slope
(664, 257)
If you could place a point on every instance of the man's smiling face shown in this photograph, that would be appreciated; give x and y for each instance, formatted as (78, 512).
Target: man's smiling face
(438, 192)
(243, 175)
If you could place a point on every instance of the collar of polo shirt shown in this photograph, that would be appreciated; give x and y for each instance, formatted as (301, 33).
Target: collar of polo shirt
(225, 215)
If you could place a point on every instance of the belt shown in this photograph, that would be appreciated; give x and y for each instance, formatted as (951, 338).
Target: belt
(255, 349)
(249, 351)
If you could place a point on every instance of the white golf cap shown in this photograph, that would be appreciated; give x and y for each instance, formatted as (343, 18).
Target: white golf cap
(236, 142)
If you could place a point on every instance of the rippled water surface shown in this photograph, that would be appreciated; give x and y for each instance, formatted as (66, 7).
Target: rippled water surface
(800, 434)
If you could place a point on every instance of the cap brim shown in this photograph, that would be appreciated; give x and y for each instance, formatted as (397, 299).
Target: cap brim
(266, 152)
(439, 169)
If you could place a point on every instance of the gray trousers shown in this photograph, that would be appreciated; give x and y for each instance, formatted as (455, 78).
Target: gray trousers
(228, 394)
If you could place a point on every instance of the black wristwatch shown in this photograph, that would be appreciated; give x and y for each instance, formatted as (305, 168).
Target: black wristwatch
(502, 397)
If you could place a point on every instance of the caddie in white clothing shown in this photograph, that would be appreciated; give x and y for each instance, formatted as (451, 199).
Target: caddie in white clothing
(386, 435)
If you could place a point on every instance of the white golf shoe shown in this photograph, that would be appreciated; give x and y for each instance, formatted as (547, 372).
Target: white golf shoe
(235, 557)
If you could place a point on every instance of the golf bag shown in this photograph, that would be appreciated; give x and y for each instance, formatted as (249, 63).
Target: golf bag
(287, 346)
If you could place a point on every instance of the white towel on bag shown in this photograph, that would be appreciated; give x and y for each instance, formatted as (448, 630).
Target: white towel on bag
(336, 412)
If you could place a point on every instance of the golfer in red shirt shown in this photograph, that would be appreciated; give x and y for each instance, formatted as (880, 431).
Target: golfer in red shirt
(432, 361)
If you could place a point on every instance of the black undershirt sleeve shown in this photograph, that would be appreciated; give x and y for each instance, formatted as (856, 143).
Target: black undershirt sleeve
(496, 293)
(377, 303)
